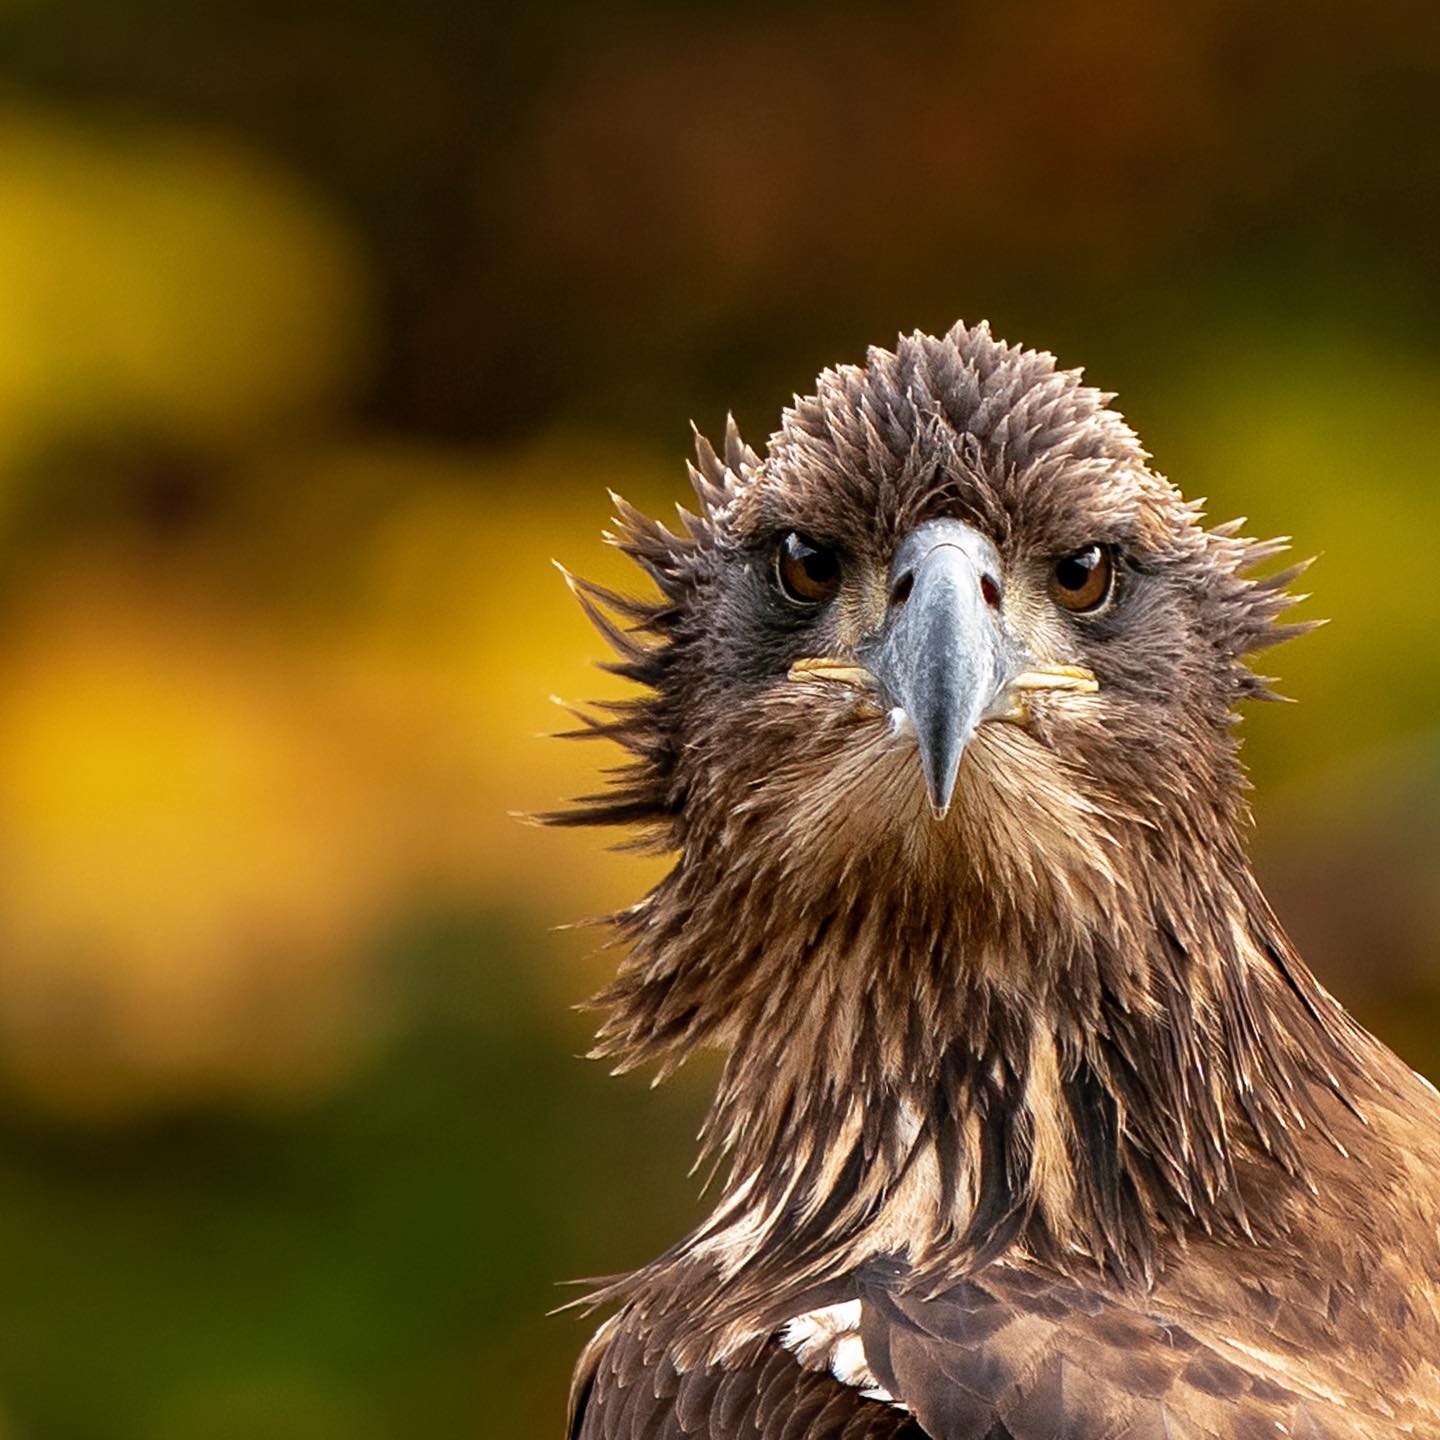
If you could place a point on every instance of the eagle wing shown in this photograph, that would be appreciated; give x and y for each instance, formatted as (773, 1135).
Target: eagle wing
(1014, 1353)
(628, 1388)
(1022, 1355)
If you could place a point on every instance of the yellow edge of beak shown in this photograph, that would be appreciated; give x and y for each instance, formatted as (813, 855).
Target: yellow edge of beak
(1071, 679)
(843, 671)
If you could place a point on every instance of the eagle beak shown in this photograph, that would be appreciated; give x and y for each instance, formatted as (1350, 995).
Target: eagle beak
(944, 659)
(943, 656)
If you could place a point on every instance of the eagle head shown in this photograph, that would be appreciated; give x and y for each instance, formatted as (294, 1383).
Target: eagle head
(950, 647)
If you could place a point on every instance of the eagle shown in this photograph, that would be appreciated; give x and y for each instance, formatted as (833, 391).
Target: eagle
(1032, 1123)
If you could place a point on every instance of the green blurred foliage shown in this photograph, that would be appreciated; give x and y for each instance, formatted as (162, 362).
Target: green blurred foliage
(323, 327)
(376, 1263)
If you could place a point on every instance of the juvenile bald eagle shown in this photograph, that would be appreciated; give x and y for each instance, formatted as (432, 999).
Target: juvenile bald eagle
(1035, 1123)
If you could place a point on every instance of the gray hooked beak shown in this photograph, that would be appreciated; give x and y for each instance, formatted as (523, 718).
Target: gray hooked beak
(943, 656)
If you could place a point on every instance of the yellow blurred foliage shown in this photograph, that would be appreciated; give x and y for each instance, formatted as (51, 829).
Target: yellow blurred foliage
(211, 804)
(188, 868)
(163, 284)
(207, 809)
(1326, 437)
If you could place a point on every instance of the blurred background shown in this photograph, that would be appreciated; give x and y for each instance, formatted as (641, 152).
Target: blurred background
(323, 327)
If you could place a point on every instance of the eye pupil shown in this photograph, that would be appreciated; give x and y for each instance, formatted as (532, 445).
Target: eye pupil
(1073, 572)
(807, 573)
(820, 566)
(1082, 582)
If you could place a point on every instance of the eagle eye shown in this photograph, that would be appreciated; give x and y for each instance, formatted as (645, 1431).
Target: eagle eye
(807, 573)
(1082, 582)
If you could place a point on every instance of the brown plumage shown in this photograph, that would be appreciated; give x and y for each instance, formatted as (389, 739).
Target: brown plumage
(1035, 1124)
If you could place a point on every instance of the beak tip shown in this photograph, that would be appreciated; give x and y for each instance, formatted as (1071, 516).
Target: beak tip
(940, 786)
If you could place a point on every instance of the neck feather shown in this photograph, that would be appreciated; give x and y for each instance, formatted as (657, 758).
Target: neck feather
(935, 1077)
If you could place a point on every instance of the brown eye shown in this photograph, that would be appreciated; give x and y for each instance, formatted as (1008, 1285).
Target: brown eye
(1082, 582)
(807, 573)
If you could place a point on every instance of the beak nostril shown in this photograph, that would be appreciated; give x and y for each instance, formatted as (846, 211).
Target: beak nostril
(903, 586)
(990, 589)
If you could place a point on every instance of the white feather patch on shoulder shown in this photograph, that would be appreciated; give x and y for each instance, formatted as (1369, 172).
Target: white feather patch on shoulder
(829, 1339)
(811, 1336)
